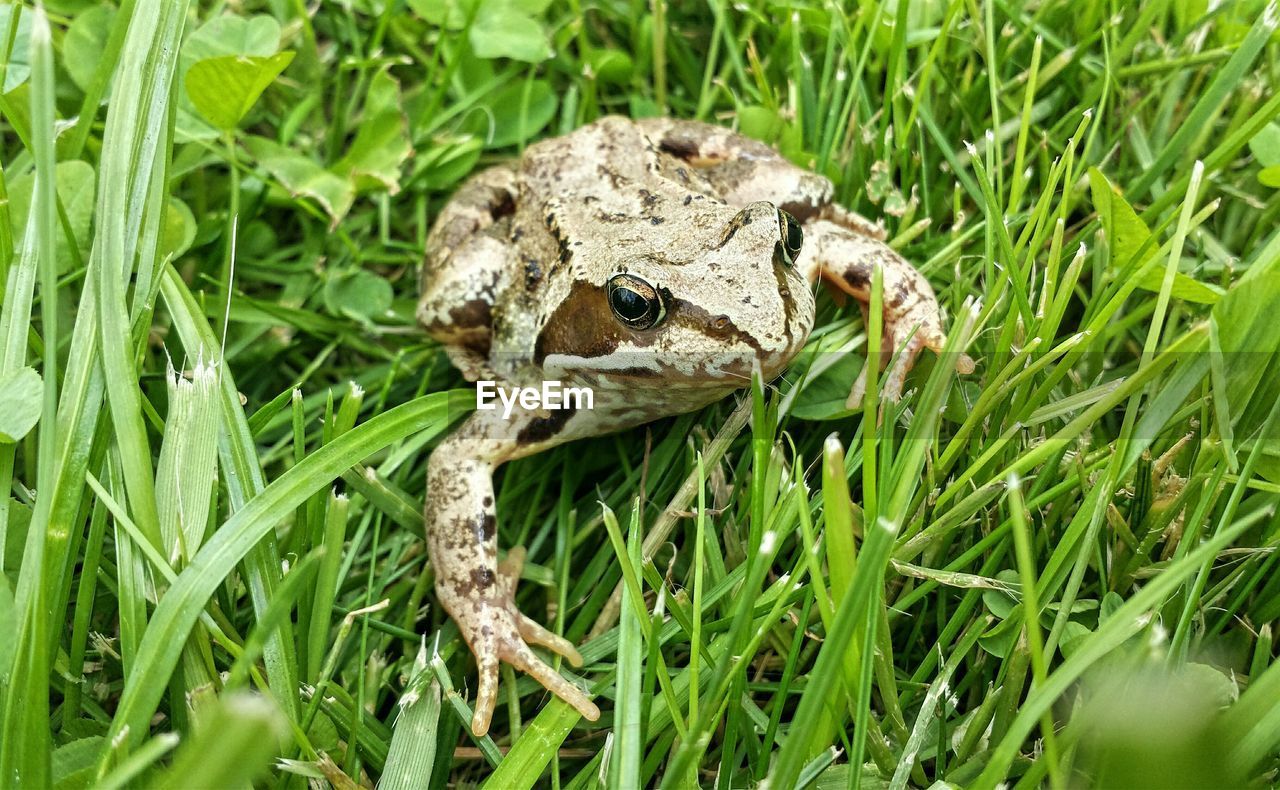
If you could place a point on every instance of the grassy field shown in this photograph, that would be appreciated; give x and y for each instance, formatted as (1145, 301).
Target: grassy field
(217, 575)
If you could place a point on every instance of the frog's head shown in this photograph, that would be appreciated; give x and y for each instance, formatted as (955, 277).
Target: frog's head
(722, 293)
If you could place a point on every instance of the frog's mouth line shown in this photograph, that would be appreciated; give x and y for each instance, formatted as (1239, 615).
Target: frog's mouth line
(731, 369)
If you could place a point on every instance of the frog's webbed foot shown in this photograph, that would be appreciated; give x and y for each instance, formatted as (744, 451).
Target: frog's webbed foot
(497, 631)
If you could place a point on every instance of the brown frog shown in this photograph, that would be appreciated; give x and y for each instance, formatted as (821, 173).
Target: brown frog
(655, 262)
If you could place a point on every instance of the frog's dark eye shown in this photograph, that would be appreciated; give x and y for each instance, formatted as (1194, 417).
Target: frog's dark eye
(634, 302)
(788, 247)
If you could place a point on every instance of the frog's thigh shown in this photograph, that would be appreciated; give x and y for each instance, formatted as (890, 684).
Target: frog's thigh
(456, 306)
(467, 263)
(703, 144)
(852, 220)
(740, 169)
(481, 200)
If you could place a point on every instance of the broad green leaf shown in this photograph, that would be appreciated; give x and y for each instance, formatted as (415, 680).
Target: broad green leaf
(303, 176)
(382, 140)
(179, 228)
(19, 104)
(1265, 145)
(75, 185)
(824, 396)
(20, 397)
(513, 116)
(1270, 177)
(232, 35)
(1126, 235)
(1146, 724)
(19, 62)
(1072, 633)
(611, 66)
(224, 35)
(505, 29)
(85, 40)
(1126, 232)
(225, 88)
(449, 14)
(74, 762)
(359, 294)
(760, 123)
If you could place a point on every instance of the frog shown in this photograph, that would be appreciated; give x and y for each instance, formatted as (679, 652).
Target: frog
(658, 262)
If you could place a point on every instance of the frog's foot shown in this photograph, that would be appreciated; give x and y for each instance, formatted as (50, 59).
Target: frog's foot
(847, 254)
(898, 357)
(497, 631)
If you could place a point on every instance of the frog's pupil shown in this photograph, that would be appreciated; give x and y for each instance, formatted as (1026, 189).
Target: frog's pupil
(629, 304)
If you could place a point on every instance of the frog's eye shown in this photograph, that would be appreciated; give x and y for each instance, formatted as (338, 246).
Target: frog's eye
(788, 247)
(634, 302)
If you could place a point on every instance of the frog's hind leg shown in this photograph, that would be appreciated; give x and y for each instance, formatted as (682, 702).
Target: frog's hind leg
(852, 220)
(462, 539)
(741, 170)
(467, 264)
(845, 260)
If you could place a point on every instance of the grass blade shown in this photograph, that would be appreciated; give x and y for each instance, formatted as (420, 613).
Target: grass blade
(178, 611)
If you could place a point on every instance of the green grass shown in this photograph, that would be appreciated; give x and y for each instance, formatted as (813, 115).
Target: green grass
(221, 577)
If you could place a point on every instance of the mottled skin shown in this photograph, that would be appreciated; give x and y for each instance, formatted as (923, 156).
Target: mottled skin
(515, 287)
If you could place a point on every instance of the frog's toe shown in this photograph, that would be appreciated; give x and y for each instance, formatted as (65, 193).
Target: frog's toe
(486, 652)
(895, 367)
(904, 338)
(509, 573)
(518, 654)
(859, 389)
(501, 633)
(530, 630)
(534, 633)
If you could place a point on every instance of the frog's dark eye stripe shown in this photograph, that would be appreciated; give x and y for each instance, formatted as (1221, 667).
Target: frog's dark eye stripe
(792, 239)
(635, 303)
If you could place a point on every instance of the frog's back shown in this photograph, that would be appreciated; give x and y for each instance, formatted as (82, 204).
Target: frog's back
(576, 162)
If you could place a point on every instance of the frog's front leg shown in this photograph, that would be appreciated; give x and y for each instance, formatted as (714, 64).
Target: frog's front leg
(476, 590)
(846, 260)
